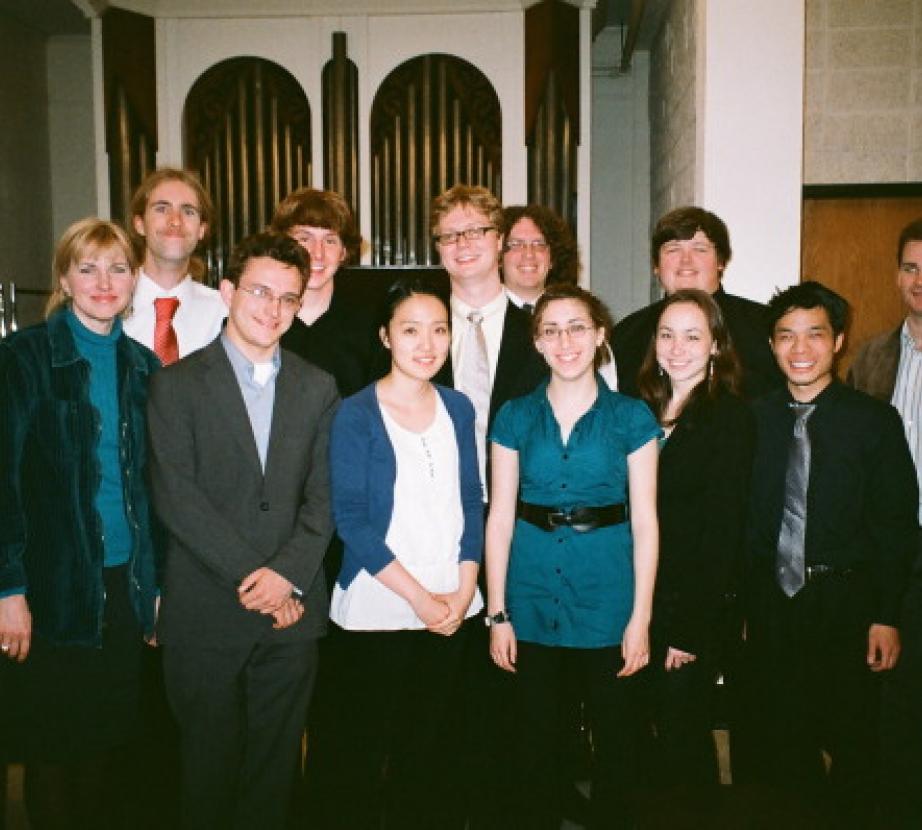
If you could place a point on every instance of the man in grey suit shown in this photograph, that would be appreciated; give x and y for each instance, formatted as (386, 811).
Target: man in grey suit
(239, 435)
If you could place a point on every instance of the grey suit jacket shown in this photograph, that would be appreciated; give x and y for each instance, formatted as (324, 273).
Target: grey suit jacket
(223, 516)
(875, 368)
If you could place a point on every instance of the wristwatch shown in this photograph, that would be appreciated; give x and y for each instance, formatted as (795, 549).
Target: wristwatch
(496, 619)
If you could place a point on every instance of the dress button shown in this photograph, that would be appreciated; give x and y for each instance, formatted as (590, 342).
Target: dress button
(563, 486)
(557, 570)
(264, 506)
(556, 601)
(566, 456)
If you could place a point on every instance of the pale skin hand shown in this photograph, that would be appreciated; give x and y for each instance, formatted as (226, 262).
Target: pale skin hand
(460, 600)
(152, 640)
(676, 658)
(503, 646)
(264, 590)
(15, 627)
(883, 647)
(288, 613)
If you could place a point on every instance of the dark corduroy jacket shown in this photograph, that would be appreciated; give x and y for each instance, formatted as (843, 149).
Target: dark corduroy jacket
(50, 532)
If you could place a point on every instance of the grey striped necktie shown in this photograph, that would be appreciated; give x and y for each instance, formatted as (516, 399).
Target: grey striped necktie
(790, 561)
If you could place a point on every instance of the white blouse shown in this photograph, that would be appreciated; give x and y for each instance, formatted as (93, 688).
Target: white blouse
(424, 533)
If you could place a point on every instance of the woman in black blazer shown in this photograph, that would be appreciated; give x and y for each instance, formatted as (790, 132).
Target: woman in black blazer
(690, 379)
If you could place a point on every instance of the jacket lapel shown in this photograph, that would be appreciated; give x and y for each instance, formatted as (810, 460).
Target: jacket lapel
(223, 390)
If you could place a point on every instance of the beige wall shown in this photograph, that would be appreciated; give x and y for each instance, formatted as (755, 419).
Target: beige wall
(25, 213)
(863, 119)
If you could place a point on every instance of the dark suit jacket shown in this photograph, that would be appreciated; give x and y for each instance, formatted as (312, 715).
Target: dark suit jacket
(875, 368)
(748, 326)
(224, 517)
(702, 498)
(519, 366)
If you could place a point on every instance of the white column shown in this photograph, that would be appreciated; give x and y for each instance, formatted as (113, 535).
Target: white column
(750, 135)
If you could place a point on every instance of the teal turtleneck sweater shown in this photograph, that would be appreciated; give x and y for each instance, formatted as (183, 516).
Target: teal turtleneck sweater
(99, 350)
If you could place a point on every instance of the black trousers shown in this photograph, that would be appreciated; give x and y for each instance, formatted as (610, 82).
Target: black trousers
(901, 751)
(543, 675)
(390, 743)
(76, 710)
(814, 692)
(240, 711)
(680, 703)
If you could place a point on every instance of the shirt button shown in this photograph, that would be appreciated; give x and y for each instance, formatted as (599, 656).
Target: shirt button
(264, 506)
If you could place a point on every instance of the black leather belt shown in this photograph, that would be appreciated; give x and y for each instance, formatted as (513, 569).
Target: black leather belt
(814, 572)
(581, 519)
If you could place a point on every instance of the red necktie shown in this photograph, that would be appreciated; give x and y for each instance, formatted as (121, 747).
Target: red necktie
(165, 344)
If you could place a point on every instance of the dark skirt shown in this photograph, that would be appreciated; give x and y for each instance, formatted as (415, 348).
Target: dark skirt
(65, 703)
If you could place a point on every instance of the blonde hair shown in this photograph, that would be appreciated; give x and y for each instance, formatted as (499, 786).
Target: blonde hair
(85, 235)
(466, 195)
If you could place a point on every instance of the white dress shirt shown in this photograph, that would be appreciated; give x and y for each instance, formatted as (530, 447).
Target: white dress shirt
(197, 321)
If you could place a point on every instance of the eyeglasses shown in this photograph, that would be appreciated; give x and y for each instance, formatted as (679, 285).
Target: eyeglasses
(520, 246)
(289, 302)
(470, 234)
(575, 331)
(909, 268)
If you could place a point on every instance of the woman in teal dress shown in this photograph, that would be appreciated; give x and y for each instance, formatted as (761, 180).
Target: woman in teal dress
(570, 569)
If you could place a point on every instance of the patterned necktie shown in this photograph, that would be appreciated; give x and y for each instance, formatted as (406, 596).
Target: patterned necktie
(474, 380)
(790, 561)
(165, 344)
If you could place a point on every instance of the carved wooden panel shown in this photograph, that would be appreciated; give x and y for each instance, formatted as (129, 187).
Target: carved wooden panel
(435, 122)
(247, 132)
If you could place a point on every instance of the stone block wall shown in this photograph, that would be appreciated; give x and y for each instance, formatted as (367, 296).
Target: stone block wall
(863, 101)
(672, 109)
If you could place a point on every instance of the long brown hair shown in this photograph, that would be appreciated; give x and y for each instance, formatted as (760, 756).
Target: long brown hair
(724, 374)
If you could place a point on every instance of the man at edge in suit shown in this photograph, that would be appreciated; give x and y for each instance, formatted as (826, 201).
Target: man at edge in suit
(889, 367)
(239, 437)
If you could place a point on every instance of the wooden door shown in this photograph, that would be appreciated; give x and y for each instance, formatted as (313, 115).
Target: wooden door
(849, 244)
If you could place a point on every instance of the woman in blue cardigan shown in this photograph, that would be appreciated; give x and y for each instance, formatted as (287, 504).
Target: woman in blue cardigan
(77, 571)
(408, 506)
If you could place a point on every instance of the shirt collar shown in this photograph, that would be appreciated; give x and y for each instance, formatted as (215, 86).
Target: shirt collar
(243, 366)
(495, 306)
(147, 290)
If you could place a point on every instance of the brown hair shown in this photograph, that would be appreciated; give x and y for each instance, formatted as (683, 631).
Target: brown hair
(725, 375)
(278, 246)
(911, 233)
(597, 310)
(684, 223)
(465, 195)
(141, 198)
(565, 264)
(319, 209)
(90, 234)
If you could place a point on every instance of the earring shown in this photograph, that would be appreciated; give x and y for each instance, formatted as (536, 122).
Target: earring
(660, 370)
(711, 368)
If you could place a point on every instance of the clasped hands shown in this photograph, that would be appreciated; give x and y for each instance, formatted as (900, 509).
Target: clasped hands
(268, 592)
(442, 613)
